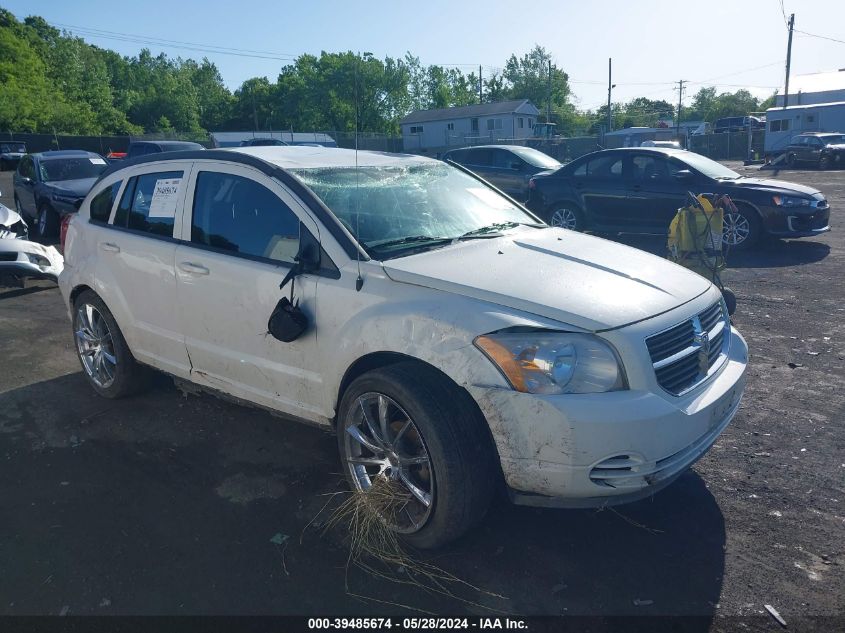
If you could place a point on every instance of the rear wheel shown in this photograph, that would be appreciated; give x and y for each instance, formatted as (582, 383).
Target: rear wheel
(824, 162)
(741, 228)
(407, 430)
(566, 216)
(105, 358)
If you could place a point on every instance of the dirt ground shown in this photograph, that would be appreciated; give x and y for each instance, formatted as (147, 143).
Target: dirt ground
(167, 504)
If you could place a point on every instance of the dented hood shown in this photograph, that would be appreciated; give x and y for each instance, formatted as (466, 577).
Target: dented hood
(580, 280)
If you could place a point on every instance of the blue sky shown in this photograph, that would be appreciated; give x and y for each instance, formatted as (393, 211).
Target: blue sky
(653, 43)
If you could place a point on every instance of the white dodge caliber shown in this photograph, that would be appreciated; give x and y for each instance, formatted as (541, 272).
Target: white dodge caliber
(453, 341)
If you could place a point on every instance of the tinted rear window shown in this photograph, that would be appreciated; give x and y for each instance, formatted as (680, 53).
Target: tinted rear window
(149, 202)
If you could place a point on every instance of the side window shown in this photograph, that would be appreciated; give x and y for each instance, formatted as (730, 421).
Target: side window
(605, 167)
(479, 157)
(149, 202)
(26, 169)
(103, 202)
(503, 159)
(580, 171)
(238, 215)
(649, 169)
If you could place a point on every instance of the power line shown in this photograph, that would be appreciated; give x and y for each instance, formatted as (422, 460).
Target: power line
(821, 37)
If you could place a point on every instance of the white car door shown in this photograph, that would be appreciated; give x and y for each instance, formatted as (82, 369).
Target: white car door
(136, 250)
(240, 235)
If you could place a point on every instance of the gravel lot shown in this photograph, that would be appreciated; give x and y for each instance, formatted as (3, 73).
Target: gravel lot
(167, 504)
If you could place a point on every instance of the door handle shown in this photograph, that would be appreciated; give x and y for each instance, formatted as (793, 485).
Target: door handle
(109, 247)
(193, 269)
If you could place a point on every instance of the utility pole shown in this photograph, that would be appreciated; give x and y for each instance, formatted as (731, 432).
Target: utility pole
(609, 88)
(549, 94)
(788, 61)
(480, 86)
(680, 103)
(254, 111)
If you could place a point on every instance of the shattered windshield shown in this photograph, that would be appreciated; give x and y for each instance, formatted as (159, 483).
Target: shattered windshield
(397, 209)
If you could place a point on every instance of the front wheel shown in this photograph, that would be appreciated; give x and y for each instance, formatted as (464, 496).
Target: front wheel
(791, 160)
(824, 162)
(741, 228)
(418, 444)
(566, 216)
(48, 223)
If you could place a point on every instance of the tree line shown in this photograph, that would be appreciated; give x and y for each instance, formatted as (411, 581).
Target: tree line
(54, 82)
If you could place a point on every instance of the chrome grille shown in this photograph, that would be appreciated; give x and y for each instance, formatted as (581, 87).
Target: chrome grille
(685, 354)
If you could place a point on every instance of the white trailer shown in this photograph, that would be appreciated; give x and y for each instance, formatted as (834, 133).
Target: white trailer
(782, 124)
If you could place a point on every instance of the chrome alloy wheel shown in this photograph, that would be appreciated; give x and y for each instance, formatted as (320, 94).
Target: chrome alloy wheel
(564, 218)
(381, 441)
(736, 229)
(94, 345)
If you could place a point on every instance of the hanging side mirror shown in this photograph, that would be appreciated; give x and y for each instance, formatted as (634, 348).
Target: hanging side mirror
(288, 322)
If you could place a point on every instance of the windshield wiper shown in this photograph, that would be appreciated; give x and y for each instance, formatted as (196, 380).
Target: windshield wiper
(411, 239)
(494, 230)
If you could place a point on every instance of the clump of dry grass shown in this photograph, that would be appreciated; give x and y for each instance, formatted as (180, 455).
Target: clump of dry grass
(379, 550)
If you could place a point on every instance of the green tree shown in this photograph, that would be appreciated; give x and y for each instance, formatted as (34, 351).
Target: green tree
(528, 78)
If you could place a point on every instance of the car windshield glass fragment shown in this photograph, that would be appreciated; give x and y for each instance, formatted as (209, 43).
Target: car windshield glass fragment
(833, 139)
(709, 168)
(394, 210)
(71, 168)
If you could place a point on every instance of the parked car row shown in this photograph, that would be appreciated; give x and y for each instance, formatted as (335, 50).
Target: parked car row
(639, 190)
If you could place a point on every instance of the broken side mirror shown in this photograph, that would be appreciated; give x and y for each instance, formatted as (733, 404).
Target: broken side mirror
(288, 322)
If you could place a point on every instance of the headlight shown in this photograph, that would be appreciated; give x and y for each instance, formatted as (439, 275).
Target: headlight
(790, 201)
(554, 362)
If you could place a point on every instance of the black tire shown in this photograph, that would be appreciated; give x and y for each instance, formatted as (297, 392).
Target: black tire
(565, 214)
(747, 229)
(454, 435)
(129, 377)
(824, 162)
(49, 228)
(791, 160)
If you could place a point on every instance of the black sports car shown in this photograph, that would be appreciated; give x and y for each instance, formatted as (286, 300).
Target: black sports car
(638, 190)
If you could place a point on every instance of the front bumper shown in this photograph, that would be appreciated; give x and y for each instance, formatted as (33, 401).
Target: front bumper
(591, 450)
(14, 262)
(797, 222)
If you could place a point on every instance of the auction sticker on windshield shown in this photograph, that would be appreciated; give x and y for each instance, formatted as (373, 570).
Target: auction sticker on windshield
(163, 204)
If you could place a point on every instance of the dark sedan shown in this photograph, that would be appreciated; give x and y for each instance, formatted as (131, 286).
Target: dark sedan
(11, 153)
(49, 185)
(508, 167)
(142, 148)
(639, 190)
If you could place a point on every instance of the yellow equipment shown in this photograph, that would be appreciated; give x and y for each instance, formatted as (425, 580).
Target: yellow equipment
(695, 238)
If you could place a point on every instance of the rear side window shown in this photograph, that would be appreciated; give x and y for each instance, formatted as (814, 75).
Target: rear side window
(479, 157)
(238, 215)
(149, 202)
(103, 202)
(605, 167)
